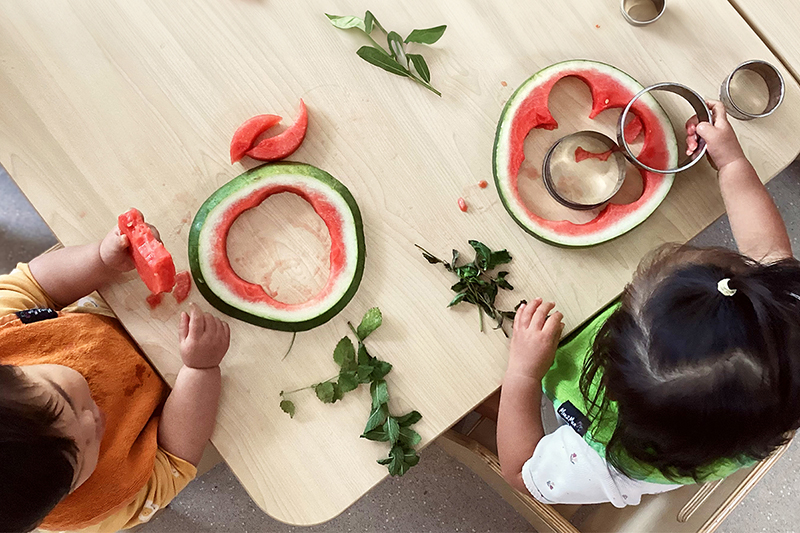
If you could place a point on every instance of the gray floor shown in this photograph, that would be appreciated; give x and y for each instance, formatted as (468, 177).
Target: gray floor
(440, 494)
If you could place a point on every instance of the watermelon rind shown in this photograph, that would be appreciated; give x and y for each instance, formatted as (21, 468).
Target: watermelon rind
(215, 291)
(563, 235)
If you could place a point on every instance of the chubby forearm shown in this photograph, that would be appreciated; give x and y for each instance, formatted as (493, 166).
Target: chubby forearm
(189, 415)
(69, 274)
(757, 226)
(519, 425)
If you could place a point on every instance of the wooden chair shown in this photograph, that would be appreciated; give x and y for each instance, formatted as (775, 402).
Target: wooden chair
(695, 508)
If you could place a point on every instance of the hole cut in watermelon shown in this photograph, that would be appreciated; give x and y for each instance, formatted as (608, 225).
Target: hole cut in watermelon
(282, 245)
(570, 103)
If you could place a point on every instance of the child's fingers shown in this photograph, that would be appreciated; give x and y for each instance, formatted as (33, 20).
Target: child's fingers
(183, 327)
(155, 231)
(227, 330)
(123, 241)
(554, 323)
(196, 323)
(518, 316)
(540, 315)
(527, 313)
(718, 113)
(211, 325)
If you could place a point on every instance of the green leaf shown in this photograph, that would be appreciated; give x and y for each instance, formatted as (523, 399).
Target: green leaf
(384, 461)
(460, 286)
(347, 381)
(397, 48)
(458, 298)
(381, 59)
(499, 258)
(467, 271)
(409, 438)
(455, 259)
(346, 22)
(377, 418)
(410, 458)
(392, 429)
(365, 373)
(337, 392)
(482, 255)
(371, 321)
(422, 69)
(426, 36)
(378, 435)
(345, 355)
(379, 392)
(364, 358)
(380, 369)
(409, 419)
(325, 392)
(369, 20)
(288, 407)
(501, 282)
(374, 21)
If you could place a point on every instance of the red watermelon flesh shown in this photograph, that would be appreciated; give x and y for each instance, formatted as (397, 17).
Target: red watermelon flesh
(284, 144)
(582, 155)
(153, 261)
(183, 284)
(246, 134)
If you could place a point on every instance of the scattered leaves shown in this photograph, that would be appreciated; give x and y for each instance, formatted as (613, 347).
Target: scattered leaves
(475, 285)
(395, 60)
(288, 407)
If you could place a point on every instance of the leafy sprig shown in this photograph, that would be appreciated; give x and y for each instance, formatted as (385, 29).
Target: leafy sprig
(356, 367)
(395, 60)
(475, 285)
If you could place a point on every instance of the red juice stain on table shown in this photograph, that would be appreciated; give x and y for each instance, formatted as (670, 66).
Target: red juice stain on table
(462, 204)
(483, 184)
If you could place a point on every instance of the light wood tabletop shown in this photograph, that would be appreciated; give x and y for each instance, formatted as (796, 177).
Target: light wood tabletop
(776, 22)
(110, 104)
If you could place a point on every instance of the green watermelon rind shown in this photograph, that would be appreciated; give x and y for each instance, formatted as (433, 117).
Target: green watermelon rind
(250, 180)
(502, 181)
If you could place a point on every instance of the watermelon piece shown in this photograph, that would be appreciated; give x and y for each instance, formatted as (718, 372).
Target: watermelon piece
(582, 155)
(153, 261)
(284, 144)
(225, 290)
(183, 285)
(633, 129)
(246, 134)
(154, 300)
(610, 88)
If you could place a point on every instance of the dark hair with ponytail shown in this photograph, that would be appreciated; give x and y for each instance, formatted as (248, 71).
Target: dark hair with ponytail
(697, 375)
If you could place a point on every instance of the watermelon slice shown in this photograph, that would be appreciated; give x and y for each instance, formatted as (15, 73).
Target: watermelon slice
(611, 88)
(153, 261)
(246, 134)
(283, 144)
(183, 284)
(225, 290)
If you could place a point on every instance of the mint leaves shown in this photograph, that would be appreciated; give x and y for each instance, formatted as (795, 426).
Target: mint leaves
(395, 60)
(357, 366)
(475, 285)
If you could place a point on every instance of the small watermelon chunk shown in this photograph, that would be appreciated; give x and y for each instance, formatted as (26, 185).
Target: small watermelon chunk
(246, 134)
(582, 154)
(153, 261)
(154, 300)
(284, 144)
(183, 285)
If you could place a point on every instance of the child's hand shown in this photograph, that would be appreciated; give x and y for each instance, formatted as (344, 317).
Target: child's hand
(535, 339)
(114, 252)
(204, 339)
(723, 146)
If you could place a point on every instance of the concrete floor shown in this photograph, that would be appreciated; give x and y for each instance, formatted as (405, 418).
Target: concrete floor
(440, 495)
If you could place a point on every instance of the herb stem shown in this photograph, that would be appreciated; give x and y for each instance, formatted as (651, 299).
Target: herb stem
(310, 386)
(349, 325)
(426, 85)
(480, 315)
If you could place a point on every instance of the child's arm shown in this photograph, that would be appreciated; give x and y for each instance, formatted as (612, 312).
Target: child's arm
(187, 421)
(756, 224)
(519, 420)
(69, 274)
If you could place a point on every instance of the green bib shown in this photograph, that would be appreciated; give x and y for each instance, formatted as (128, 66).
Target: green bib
(562, 385)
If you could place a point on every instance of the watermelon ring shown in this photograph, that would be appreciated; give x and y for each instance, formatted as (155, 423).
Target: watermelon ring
(528, 109)
(225, 290)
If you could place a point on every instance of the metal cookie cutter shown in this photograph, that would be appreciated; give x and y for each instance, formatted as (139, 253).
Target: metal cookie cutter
(659, 5)
(558, 150)
(775, 85)
(700, 108)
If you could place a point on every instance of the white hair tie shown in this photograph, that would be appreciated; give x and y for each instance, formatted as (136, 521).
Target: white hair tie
(724, 288)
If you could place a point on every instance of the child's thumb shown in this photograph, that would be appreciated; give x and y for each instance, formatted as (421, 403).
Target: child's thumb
(706, 131)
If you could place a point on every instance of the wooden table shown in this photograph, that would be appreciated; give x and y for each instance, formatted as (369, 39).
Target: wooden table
(104, 105)
(776, 23)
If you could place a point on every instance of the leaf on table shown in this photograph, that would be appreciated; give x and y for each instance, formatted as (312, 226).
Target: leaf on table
(364, 373)
(426, 36)
(500, 257)
(458, 299)
(380, 369)
(346, 22)
(409, 438)
(364, 358)
(501, 282)
(345, 355)
(337, 392)
(288, 408)
(377, 418)
(371, 321)
(381, 59)
(378, 435)
(397, 48)
(467, 271)
(456, 255)
(379, 392)
(483, 255)
(347, 381)
(392, 429)
(409, 419)
(325, 392)
(420, 66)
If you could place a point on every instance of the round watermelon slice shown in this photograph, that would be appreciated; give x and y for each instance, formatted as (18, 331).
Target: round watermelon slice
(225, 290)
(528, 109)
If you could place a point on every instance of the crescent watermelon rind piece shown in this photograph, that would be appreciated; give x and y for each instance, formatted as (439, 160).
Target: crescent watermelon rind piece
(284, 176)
(615, 219)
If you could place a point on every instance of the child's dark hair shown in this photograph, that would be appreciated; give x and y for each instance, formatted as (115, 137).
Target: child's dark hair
(697, 375)
(37, 464)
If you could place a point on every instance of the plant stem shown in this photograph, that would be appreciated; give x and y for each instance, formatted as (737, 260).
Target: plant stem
(349, 325)
(310, 386)
(294, 336)
(480, 315)
(424, 84)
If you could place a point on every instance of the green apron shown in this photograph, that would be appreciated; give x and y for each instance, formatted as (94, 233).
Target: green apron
(562, 385)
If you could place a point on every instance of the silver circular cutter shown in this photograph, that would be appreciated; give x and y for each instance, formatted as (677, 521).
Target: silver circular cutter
(547, 176)
(775, 85)
(700, 108)
(660, 5)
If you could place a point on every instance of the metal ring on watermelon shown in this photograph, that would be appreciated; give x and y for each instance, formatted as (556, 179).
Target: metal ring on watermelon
(225, 290)
(528, 109)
